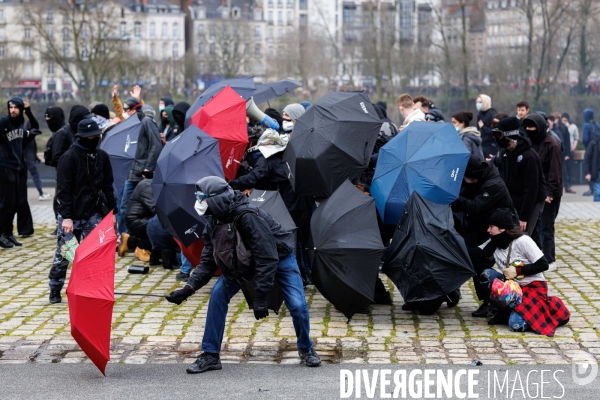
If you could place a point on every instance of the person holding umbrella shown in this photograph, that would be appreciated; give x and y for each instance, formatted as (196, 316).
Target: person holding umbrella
(263, 251)
(85, 196)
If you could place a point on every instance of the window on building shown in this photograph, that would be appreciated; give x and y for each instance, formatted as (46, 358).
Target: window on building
(1, 51)
(211, 32)
(290, 3)
(289, 18)
(175, 30)
(270, 17)
(27, 52)
(66, 50)
(137, 49)
(50, 67)
(257, 50)
(137, 30)
(28, 69)
(66, 34)
(123, 29)
(257, 15)
(152, 50)
(212, 49)
(27, 33)
(279, 3)
(257, 32)
(1, 15)
(270, 34)
(152, 30)
(50, 32)
(165, 30)
(303, 21)
(84, 54)
(2, 33)
(303, 4)
(175, 50)
(85, 30)
(279, 17)
(201, 48)
(270, 3)
(201, 30)
(50, 18)
(165, 50)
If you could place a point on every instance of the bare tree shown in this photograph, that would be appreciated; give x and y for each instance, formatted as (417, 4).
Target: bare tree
(81, 37)
(11, 70)
(587, 16)
(231, 47)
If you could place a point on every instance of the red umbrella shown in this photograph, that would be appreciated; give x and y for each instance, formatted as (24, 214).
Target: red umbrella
(91, 292)
(224, 118)
(193, 252)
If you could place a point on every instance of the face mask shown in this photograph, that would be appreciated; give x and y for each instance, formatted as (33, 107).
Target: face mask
(458, 128)
(479, 106)
(89, 144)
(165, 121)
(533, 135)
(287, 125)
(160, 108)
(201, 207)
(125, 115)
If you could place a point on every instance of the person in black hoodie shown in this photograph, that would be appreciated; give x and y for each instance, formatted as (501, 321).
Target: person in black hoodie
(55, 119)
(85, 196)
(521, 170)
(13, 139)
(64, 137)
(179, 112)
(551, 158)
(270, 249)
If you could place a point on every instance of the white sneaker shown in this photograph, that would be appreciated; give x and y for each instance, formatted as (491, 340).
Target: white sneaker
(552, 266)
(45, 196)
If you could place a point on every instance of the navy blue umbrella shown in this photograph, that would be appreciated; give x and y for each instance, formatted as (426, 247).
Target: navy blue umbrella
(191, 156)
(120, 143)
(429, 158)
(243, 86)
(271, 90)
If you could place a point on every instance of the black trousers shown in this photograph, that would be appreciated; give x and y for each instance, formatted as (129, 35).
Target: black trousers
(567, 171)
(545, 229)
(139, 238)
(24, 218)
(480, 262)
(9, 186)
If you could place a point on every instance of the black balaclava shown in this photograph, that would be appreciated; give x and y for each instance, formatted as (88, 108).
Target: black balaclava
(179, 112)
(78, 113)
(540, 132)
(57, 118)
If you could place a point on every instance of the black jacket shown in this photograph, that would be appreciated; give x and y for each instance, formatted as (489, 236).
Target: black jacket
(591, 161)
(14, 137)
(477, 201)
(148, 148)
(65, 136)
(521, 171)
(141, 206)
(270, 174)
(550, 155)
(488, 143)
(262, 236)
(76, 174)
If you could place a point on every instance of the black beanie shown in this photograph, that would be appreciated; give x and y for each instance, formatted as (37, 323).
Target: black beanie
(509, 124)
(273, 113)
(503, 218)
(101, 110)
(566, 115)
(474, 168)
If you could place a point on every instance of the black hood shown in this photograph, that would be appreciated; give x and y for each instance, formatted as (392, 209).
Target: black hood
(380, 111)
(57, 118)
(168, 101)
(77, 114)
(179, 112)
(223, 207)
(21, 106)
(540, 124)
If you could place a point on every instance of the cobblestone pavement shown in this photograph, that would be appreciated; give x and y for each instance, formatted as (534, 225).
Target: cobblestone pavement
(151, 330)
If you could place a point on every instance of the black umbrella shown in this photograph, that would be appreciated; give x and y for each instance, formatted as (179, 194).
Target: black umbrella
(243, 86)
(271, 90)
(347, 249)
(274, 297)
(271, 202)
(192, 155)
(121, 143)
(427, 258)
(331, 142)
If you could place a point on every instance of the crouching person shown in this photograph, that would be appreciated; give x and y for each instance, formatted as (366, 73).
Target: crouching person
(520, 259)
(266, 255)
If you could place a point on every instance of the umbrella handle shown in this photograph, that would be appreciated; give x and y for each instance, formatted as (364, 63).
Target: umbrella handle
(199, 144)
(141, 294)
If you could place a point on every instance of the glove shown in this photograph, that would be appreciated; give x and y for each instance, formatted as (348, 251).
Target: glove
(147, 174)
(269, 122)
(35, 132)
(260, 306)
(510, 272)
(179, 296)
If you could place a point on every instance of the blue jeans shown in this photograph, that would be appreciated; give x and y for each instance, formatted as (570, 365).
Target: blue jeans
(125, 196)
(186, 266)
(516, 323)
(158, 236)
(596, 191)
(290, 282)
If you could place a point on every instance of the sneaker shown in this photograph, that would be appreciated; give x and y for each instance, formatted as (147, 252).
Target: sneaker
(552, 266)
(5, 243)
(206, 362)
(310, 357)
(569, 190)
(13, 240)
(142, 255)
(55, 296)
(53, 233)
(122, 249)
(45, 196)
(484, 311)
(182, 277)
(588, 193)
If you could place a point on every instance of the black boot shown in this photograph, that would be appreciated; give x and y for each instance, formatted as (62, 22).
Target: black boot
(501, 318)
(155, 258)
(170, 260)
(484, 311)
(55, 296)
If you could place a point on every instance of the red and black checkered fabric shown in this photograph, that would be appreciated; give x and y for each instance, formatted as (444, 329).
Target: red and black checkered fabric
(542, 313)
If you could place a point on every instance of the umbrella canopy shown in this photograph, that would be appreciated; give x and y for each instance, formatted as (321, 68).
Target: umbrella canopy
(424, 157)
(427, 258)
(347, 249)
(91, 292)
(271, 90)
(242, 86)
(192, 155)
(224, 118)
(331, 142)
(121, 143)
(271, 202)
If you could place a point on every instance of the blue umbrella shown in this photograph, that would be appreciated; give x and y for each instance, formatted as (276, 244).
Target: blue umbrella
(243, 86)
(429, 158)
(192, 155)
(271, 90)
(120, 143)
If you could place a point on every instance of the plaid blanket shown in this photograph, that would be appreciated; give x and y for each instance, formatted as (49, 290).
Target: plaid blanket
(542, 313)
